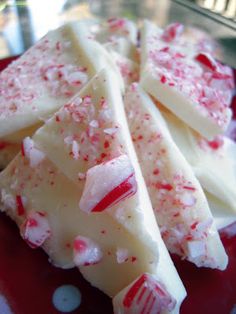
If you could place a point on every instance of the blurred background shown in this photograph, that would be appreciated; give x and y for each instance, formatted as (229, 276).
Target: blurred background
(24, 22)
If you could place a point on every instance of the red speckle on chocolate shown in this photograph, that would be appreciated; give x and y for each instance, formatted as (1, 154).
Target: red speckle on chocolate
(58, 46)
(106, 144)
(57, 118)
(216, 143)
(31, 222)
(163, 79)
(164, 186)
(133, 259)
(191, 188)
(20, 206)
(22, 149)
(194, 225)
(116, 23)
(156, 171)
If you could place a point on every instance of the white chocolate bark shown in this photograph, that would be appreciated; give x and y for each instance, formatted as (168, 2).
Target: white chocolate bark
(47, 75)
(44, 78)
(121, 241)
(179, 204)
(187, 81)
(223, 217)
(119, 35)
(213, 161)
(129, 70)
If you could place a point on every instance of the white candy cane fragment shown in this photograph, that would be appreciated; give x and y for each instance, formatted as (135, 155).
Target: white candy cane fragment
(35, 230)
(29, 151)
(86, 252)
(122, 255)
(107, 184)
(146, 295)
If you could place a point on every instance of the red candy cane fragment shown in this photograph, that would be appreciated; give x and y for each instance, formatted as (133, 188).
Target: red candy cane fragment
(207, 60)
(216, 143)
(20, 205)
(172, 32)
(146, 296)
(211, 64)
(116, 24)
(86, 252)
(35, 230)
(108, 184)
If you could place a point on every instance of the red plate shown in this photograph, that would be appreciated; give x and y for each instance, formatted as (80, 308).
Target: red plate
(29, 283)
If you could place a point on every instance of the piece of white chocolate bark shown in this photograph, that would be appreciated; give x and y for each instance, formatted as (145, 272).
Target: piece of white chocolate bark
(119, 35)
(223, 217)
(129, 70)
(78, 182)
(47, 75)
(179, 204)
(213, 162)
(187, 81)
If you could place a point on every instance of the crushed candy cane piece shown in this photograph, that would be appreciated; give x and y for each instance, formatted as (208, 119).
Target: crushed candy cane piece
(122, 255)
(196, 249)
(75, 150)
(172, 32)
(119, 183)
(35, 230)
(116, 23)
(207, 60)
(147, 295)
(188, 199)
(29, 151)
(86, 251)
(20, 205)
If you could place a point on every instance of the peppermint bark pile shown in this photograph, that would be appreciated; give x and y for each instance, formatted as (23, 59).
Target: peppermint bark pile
(106, 178)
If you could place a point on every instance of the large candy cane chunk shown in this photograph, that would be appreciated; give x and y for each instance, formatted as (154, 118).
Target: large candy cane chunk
(35, 230)
(146, 295)
(107, 184)
(86, 252)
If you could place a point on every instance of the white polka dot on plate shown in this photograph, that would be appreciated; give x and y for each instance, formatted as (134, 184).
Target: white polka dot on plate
(4, 306)
(66, 298)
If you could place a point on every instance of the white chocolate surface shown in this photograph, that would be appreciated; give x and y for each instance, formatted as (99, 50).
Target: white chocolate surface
(179, 204)
(196, 94)
(53, 186)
